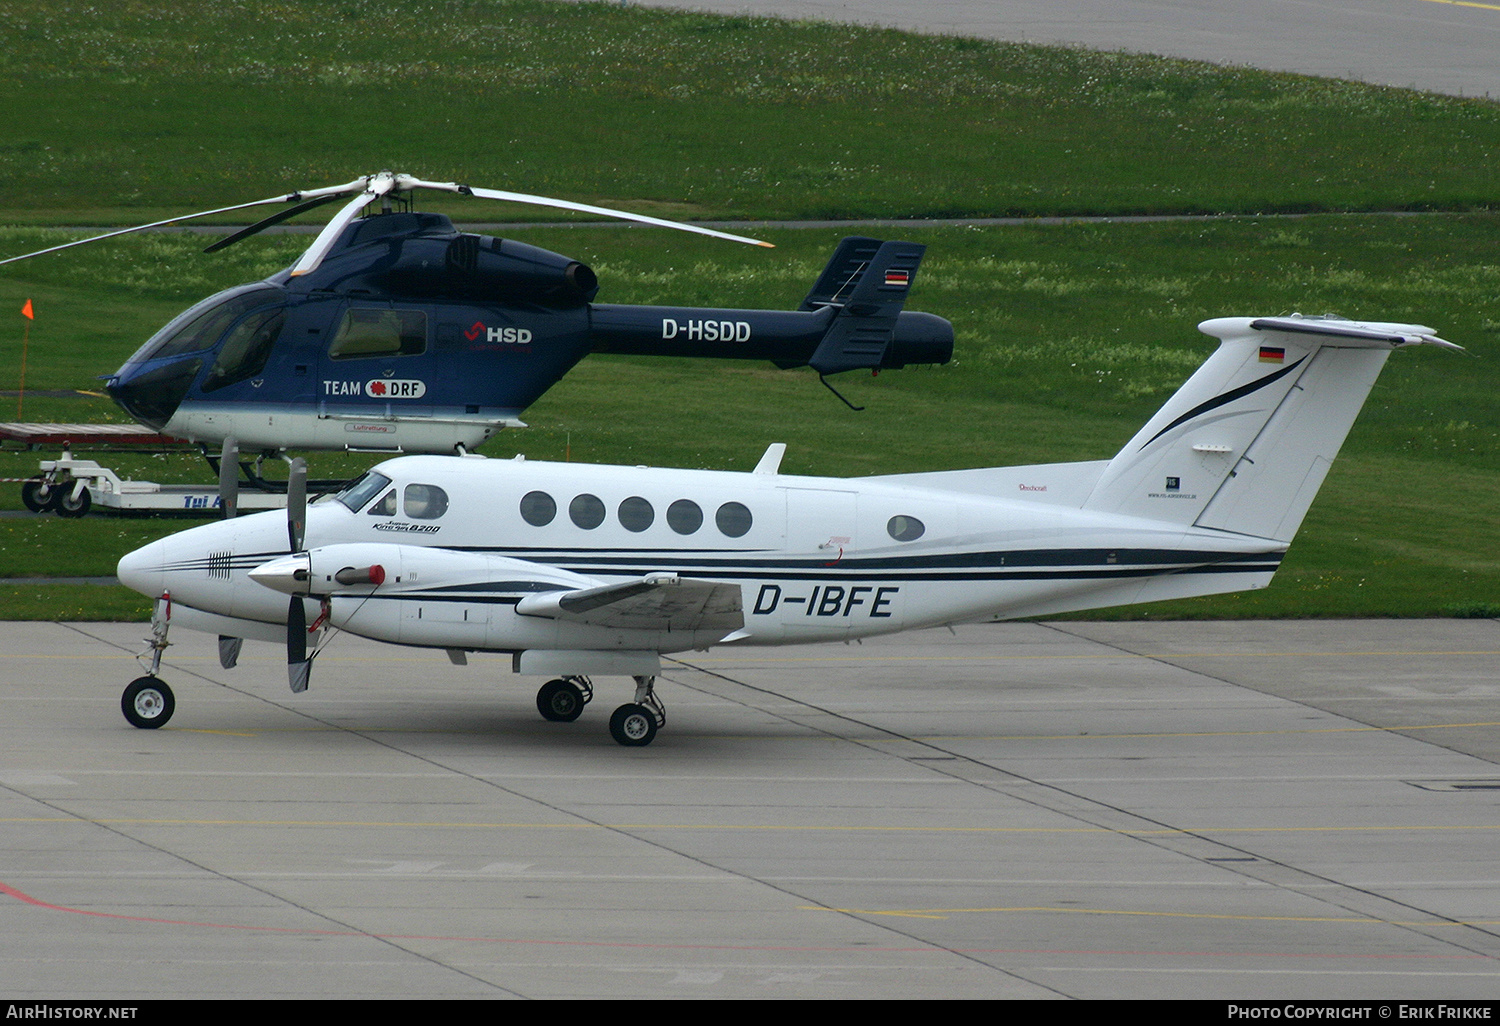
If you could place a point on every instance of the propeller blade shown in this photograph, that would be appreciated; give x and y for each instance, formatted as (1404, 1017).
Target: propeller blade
(274, 219)
(377, 185)
(404, 182)
(291, 197)
(298, 666)
(229, 478)
(296, 505)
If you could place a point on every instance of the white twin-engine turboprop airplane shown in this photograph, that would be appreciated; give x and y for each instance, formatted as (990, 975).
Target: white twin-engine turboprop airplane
(575, 570)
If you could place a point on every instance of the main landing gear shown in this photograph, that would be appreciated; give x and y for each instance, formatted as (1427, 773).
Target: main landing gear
(633, 724)
(148, 702)
(562, 700)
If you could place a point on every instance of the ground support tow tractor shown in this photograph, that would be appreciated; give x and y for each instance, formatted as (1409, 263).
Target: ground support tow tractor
(70, 487)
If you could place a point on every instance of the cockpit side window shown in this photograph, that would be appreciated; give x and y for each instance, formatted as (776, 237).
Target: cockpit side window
(379, 332)
(386, 507)
(424, 502)
(362, 489)
(245, 349)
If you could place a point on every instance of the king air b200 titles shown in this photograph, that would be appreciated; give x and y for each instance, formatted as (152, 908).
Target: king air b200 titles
(570, 570)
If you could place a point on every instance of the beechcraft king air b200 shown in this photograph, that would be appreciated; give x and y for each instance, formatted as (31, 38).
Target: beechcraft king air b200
(575, 570)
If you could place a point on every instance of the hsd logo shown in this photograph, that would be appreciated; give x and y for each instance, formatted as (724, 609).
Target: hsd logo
(395, 388)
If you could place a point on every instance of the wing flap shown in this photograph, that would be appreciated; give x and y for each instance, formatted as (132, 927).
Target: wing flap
(662, 602)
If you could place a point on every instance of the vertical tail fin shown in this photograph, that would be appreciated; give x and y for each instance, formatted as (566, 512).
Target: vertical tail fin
(868, 281)
(1245, 444)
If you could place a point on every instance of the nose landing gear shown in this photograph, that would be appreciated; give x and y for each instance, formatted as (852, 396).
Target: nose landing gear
(147, 702)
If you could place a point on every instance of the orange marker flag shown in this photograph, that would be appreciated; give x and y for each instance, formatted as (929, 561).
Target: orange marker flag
(26, 311)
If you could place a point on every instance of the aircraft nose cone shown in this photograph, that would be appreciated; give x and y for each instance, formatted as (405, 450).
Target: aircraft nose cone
(142, 570)
(288, 574)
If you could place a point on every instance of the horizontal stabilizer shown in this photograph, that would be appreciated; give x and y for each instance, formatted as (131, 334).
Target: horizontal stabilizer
(870, 292)
(662, 602)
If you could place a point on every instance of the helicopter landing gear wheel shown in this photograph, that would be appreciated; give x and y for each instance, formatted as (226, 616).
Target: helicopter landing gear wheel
(69, 504)
(147, 703)
(633, 725)
(562, 700)
(38, 496)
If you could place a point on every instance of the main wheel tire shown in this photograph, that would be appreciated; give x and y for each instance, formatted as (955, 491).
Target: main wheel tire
(38, 496)
(560, 701)
(147, 703)
(633, 725)
(68, 506)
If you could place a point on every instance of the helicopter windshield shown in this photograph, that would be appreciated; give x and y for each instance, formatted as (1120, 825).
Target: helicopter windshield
(199, 327)
(362, 489)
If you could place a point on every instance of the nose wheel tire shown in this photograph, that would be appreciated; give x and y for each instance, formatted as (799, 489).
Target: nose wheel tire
(147, 703)
(633, 725)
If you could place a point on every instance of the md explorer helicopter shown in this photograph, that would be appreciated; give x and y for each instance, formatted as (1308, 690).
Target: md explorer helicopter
(395, 332)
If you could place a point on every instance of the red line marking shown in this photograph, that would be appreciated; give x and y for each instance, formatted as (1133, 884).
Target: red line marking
(22, 896)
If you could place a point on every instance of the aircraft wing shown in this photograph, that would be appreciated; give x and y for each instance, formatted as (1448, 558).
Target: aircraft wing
(663, 602)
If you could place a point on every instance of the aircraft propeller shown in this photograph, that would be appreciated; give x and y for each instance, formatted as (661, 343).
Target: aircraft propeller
(298, 665)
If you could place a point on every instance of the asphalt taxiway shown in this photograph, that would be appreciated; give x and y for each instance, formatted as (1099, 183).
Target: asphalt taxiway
(1442, 46)
(1210, 810)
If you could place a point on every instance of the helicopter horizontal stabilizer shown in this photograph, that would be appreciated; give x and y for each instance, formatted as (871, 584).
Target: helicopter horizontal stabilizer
(869, 293)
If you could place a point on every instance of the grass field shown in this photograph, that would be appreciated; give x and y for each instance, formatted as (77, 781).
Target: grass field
(1069, 336)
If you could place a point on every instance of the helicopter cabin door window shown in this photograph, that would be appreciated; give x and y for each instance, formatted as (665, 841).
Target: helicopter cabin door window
(372, 332)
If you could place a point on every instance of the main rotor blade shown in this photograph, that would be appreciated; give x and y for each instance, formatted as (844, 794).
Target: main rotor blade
(378, 185)
(291, 197)
(407, 182)
(274, 219)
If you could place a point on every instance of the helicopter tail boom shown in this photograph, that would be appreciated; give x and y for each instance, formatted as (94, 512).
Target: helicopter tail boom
(851, 319)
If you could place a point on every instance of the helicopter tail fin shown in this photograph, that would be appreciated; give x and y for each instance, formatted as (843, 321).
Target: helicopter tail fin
(867, 281)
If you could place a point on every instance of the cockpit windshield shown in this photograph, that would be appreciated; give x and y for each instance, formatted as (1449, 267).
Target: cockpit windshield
(362, 489)
(199, 327)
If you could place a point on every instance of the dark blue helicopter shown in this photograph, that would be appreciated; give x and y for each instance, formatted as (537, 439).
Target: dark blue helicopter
(394, 331)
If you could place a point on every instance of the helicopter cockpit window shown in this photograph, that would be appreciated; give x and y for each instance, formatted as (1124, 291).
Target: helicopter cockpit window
(200, 327)
(424, 502)
(246, 349)
(380, 333)
(362, 489)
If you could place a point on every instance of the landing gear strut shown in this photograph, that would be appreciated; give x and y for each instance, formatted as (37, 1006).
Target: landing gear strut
(636, 723)
(147, 702)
